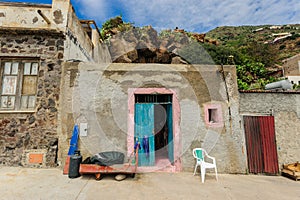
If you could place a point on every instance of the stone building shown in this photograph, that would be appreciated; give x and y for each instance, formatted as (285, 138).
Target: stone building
(55, 73)
(275, 113)
(177, 107)
(35, 40)
(291, 68)
(42, 98)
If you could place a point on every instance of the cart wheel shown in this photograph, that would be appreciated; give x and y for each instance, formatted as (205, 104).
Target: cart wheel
(132, 175)
(98, 176)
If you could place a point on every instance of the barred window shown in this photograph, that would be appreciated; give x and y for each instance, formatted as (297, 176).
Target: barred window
(18, 84)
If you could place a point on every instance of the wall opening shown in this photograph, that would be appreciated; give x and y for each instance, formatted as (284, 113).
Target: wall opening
(153, 129)
(213, 115)
(155, 101)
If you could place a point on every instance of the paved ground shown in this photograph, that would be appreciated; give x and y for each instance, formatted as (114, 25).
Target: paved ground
(26, 183)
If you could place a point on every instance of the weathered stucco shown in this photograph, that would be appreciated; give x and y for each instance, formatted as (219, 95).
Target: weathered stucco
(292, 66)
(22, 15)
(285, 107)
(78, 44)
(100, 93)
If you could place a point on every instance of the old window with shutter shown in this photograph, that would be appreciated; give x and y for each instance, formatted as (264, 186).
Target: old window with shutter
(18, 84)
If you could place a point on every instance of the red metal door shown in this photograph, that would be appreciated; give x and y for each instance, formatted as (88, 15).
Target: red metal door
(261, 144)
(253, 144)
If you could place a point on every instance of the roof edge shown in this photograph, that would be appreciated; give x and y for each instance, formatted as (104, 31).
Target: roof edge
(21, 4)
(16, 31)
(270, 91)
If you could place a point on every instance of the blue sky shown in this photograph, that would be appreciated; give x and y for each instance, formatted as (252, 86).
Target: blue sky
(191, 15)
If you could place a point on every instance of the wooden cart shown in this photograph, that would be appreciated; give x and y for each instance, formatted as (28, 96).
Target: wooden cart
(291, 170)
(126, 168)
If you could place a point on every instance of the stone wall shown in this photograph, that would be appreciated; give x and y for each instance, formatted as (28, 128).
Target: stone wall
(292, 66)
(285, 107)
(36, 131)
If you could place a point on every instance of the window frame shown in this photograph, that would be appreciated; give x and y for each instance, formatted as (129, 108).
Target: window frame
(19, 95)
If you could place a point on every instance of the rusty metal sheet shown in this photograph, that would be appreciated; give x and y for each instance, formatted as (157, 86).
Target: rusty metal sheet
(269, 144)
(253, 144)
(261, 144)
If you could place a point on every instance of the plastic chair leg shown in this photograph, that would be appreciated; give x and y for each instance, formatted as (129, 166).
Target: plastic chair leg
(216, 173)
(202, 174)
(195, 169)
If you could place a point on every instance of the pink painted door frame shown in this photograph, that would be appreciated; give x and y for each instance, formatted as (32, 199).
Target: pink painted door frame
(175, 116)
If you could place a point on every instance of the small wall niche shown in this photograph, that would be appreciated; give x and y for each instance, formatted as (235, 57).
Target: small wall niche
(213, 115)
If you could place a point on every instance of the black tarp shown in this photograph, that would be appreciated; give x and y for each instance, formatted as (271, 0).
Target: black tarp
(106, 158)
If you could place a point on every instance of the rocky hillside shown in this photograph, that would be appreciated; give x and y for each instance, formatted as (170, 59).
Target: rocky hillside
(143, 45)
(281, 41)
(129, 44)
(257, 51)
(284, 39)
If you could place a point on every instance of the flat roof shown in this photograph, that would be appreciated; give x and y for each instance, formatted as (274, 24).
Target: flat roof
(22, 4)
(5, 30)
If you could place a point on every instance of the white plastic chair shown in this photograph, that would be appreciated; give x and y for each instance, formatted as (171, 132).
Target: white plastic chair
(200, 154)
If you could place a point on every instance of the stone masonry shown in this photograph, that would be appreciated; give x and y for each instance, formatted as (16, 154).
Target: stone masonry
(21, 132)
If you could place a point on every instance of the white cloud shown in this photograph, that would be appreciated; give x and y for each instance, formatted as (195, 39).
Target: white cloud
(195, 15)
(93, 9)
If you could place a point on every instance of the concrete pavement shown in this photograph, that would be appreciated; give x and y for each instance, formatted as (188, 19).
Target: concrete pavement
(28, 183)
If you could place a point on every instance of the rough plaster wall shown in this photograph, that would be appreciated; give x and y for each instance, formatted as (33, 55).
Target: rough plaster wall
(286, 110)
(76, 107)
(102, 100)
(82, 38)
(235, 139)
(36, 130)
(75, 52)
(291, 66)
(227, 142)
(65, 116)
(287, 134)
(59, 13)
(26, 16)
(100, 53)
(80, 47)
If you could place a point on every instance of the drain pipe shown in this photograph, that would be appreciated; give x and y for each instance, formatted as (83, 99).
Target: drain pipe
(44, 17)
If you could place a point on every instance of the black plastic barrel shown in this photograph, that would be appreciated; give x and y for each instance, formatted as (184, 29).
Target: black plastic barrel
(75, 161)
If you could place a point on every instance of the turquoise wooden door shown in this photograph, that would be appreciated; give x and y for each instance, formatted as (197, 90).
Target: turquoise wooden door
(170, 133)
(143, 131)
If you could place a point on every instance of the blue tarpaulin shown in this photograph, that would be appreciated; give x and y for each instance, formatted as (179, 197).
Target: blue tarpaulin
(74, 141)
